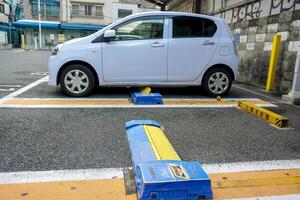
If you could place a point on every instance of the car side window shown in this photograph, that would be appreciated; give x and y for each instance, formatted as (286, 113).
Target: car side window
(191, 27)
(140, 30)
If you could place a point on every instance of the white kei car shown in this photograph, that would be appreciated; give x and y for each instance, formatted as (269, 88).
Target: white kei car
(149, 49)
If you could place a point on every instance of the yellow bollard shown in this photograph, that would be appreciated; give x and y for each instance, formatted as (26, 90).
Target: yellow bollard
(23, 41)
(273, 63)
(145, 90)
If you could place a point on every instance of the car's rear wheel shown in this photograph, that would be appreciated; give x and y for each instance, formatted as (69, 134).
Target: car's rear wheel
(77, 80)
(217, 82)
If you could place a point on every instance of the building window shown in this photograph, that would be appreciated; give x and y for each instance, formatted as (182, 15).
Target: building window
(1, 8)
(88, 10)
(34, 8)
(75, 10)
(52, 9)
(99, 11)
(124, 12)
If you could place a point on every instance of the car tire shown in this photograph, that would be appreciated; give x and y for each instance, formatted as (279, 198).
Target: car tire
(217, 82)
(77, 80)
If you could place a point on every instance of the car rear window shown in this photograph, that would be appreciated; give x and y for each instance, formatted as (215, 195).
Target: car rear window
(191, 27)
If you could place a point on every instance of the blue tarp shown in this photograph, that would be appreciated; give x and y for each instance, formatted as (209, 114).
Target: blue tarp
(35, 24)
(3, 26)
(46, 1)
(81, 26)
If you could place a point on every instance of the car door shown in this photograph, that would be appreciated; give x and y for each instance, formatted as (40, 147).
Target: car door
(192, 44)
(138, 53)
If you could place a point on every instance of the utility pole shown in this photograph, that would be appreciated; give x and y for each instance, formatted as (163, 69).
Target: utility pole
(40, 25)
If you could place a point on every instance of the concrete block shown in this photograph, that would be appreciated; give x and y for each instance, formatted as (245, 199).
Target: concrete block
(252, 30)
(244, 31)
(273, 19)
(245, 24)
(288, 76)
(296, 15)
(268, 46)
(284, 27)
(284, 35)
(285, 16)
(250, 46)
(294, 35)
(269, 37)
(259, 46)
(251, 38)
(237, 30)
(241, 46)
(294, 46)
(260, 37)
(285, 86)
(261, 29)
(272, 28)
(252, 22)
(262, 21)
(295, 25)
(243, 38)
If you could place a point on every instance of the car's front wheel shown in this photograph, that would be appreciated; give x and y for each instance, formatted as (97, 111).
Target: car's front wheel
(217, 82)
(77, 80)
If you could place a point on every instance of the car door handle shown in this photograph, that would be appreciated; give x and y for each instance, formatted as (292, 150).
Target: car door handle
(157, 44)
(206, 43)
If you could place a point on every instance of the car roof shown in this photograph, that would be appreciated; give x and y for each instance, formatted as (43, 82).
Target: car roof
(171, 13)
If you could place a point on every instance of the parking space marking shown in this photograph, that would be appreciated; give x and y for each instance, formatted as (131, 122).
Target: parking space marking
(123, 103)
(251, 166)
(110, 173)
(279, 197)
(109, 183)
(59, 175)
(23, 89)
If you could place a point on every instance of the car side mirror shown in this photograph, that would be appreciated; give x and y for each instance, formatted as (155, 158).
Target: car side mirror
(109, 34)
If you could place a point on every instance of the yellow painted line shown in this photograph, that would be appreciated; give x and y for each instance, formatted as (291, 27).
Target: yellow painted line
(122, 102)
(267, 115)
(160, 144)
(65, 102)
(225, 186)
(70, 190)
(253, 184)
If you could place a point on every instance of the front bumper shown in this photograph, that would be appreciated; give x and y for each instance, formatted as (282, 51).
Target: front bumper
(53, 68)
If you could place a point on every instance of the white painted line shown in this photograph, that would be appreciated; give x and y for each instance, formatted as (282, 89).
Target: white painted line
(126, 106)
(23, 89)
(279, 197)
(110, 173)
(257, 93)
(16, 86)
(60, 175)
(251, 166)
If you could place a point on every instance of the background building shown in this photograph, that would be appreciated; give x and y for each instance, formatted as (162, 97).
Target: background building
(4, 20)
(67, 19)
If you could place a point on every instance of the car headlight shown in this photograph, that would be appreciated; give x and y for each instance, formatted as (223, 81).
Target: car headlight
(56, 50)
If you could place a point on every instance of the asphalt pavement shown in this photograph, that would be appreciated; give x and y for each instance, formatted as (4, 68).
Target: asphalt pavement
(34, 139)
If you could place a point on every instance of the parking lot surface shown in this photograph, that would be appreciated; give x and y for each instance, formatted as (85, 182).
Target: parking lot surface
(45, 136)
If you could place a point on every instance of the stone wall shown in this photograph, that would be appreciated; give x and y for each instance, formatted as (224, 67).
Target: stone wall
(256, 36)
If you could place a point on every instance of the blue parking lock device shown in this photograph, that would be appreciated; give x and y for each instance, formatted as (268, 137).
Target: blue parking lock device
(139, 98)
(168, 179)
